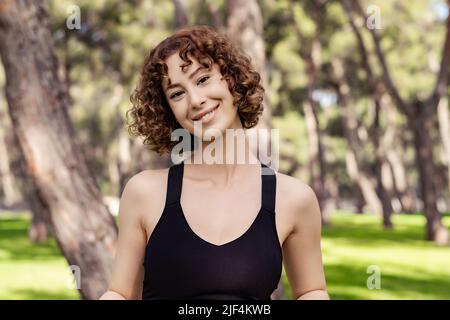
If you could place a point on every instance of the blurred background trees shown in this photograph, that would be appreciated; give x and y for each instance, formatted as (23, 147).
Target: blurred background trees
(357, 89)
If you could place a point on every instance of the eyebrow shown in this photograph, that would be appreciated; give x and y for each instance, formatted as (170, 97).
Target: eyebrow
(190, 77)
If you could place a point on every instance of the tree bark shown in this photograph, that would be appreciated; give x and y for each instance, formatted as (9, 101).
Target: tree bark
(422, 124)
(444, 129)
(38, 231)
(8, 182)
(312, 57)
(84, 229)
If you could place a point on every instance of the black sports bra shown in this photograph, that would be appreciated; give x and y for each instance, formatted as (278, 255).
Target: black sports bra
(181, 265)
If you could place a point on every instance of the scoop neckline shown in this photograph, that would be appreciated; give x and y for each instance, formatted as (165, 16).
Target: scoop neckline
(182, 212)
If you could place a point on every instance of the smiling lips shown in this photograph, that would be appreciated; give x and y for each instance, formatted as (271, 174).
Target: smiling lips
(206, 116)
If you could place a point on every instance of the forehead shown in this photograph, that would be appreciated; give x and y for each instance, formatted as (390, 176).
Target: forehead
(177, 68)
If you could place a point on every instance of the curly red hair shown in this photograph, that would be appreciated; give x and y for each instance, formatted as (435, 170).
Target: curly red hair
(152, 117)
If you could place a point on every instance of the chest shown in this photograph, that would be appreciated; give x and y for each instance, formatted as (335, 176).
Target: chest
(219, 217)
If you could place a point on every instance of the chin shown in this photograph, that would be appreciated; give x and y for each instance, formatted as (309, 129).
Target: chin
(214, 132)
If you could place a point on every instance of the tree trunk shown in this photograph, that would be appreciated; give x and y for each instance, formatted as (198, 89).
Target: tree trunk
(420, 114)
(244, 26)
(85, 231)
(38, 231)
(214, 11)
(383, 189)
(375, 130)
(359, 201)
(180, 17)
(400, 184)
(356, 167)
(312, 57)
(40, 226)
(444, 129)
(422, 126)
(123, 160)
(120, 158)
(8, 182)
(315, 158)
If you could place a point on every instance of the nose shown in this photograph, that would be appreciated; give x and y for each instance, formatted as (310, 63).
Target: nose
(196, 98)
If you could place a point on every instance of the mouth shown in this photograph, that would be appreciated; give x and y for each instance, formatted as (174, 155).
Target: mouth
(206, 117)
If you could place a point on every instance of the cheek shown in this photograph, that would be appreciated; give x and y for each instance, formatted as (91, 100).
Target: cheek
(229, 96)
(220, 87)
(176, 112)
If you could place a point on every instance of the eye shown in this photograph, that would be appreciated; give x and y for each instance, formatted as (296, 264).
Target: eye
(201, 79)
(176, 94)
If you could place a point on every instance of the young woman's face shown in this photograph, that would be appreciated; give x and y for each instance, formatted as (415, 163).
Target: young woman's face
(198, 95)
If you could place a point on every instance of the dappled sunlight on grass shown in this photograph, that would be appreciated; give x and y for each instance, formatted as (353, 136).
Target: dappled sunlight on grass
(31, 271)
(410, 267)
(36, 279)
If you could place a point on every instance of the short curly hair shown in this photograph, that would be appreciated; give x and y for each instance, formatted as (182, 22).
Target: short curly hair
(152, 117)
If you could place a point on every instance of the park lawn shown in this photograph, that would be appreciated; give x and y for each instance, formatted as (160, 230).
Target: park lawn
(409, 267)
(31, 271)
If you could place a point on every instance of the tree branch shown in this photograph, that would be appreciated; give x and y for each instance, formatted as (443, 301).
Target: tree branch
(374, 83)
(440, 87)
(387, 79)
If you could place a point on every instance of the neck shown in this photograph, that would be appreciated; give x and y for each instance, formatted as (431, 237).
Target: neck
(226, 159)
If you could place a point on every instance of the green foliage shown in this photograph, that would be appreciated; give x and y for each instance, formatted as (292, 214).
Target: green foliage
(293, 138)
(104, 58)
(286, 58)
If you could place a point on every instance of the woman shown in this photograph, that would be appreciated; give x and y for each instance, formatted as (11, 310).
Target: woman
(210, 231)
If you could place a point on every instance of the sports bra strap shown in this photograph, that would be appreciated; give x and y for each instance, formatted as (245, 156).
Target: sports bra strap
(268, 179)
(269, 185)
(174, 183)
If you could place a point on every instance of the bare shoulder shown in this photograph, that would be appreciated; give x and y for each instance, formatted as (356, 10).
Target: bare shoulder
(138, 201)
(301, 249)
(145, 193)
(296, 200)
(295, 191)
(139, 183)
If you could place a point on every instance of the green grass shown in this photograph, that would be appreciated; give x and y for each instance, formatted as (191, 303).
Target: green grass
(410, 267)
(31, 271)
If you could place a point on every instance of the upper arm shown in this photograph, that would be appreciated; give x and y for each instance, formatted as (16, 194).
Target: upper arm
(128, 271)
(302, 248)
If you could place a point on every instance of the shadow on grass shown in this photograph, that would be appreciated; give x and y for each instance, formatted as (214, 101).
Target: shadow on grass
(368, 230)
(14, 240)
